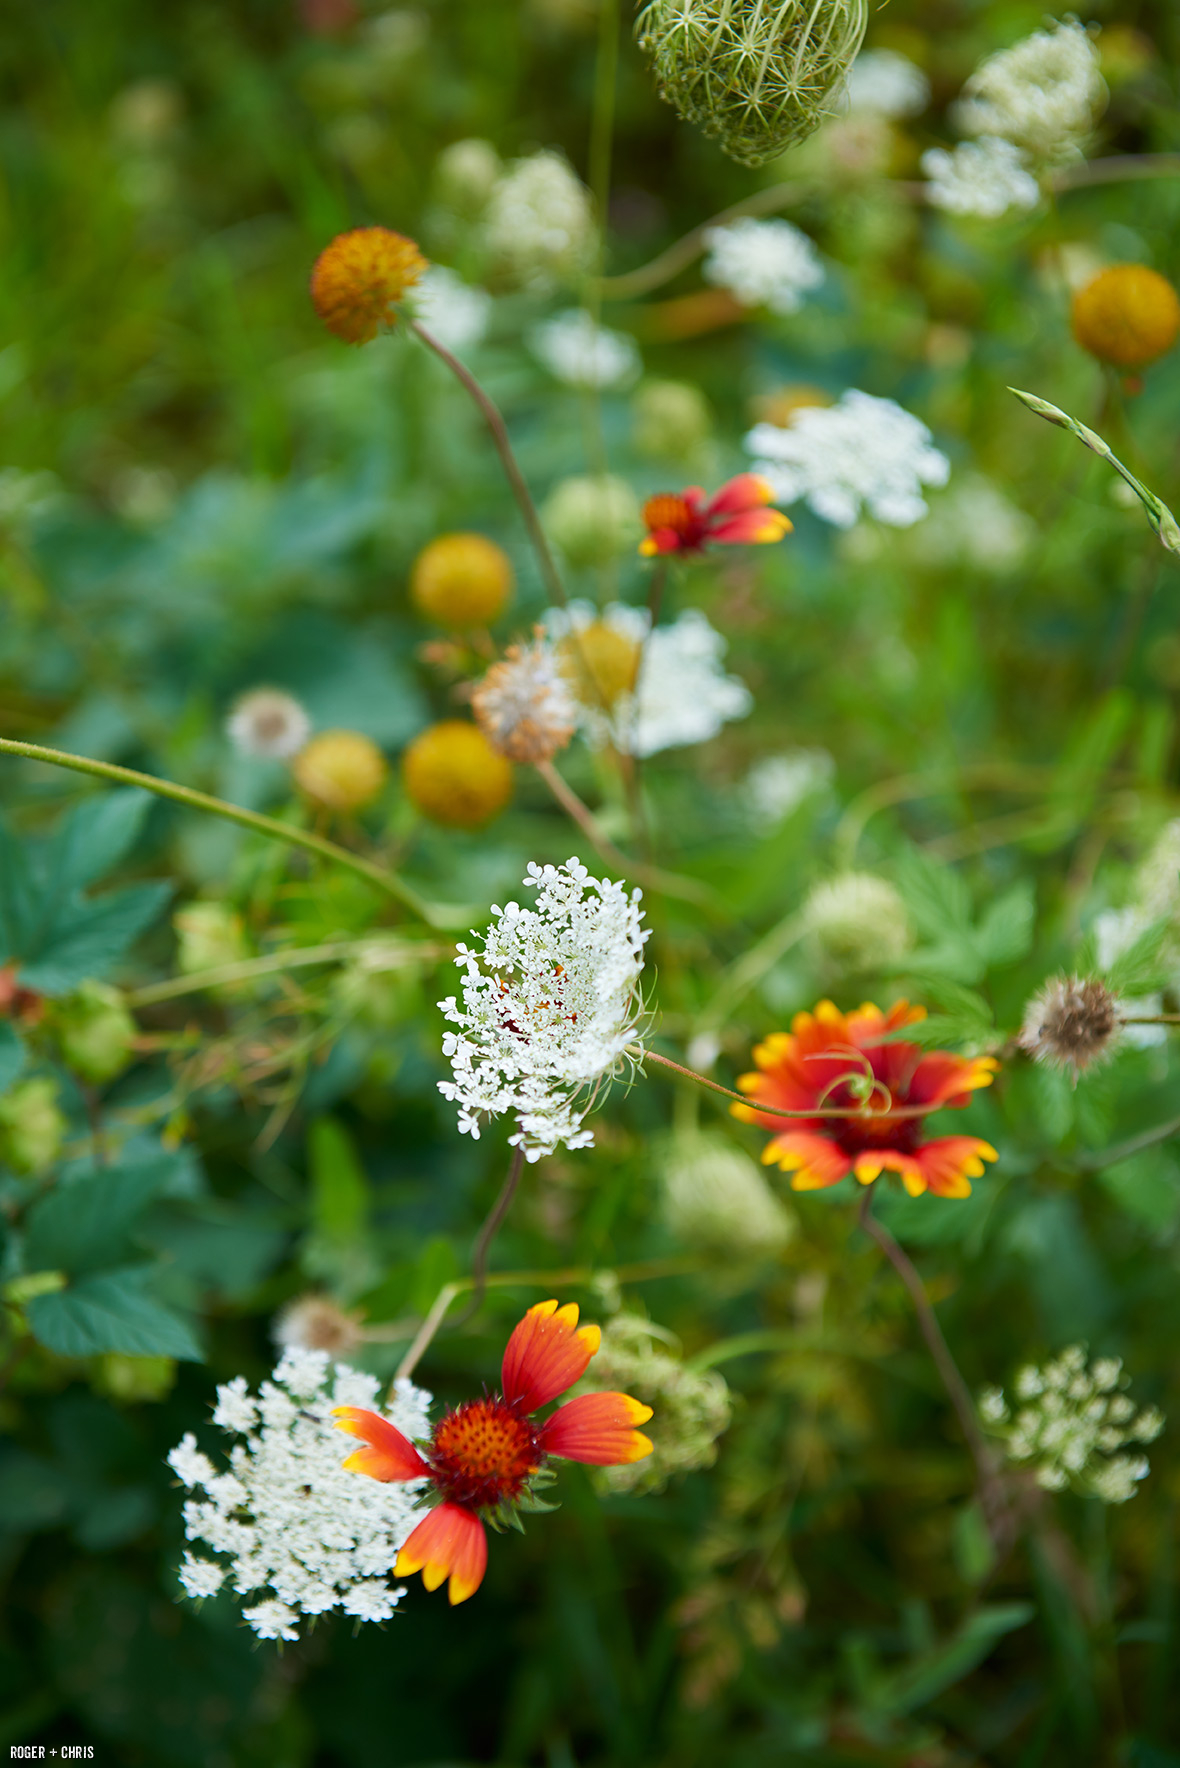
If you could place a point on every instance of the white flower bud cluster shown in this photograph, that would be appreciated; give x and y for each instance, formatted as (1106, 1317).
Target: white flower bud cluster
(539, 223)
(293, 1529)
(763, 263)
(863, 455)
(549, 1008)
(1073, 1423)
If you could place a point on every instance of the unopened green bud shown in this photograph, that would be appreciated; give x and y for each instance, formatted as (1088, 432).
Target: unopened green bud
(691, 1408)
(858, 921)
(672, 420)
(32, 1126)
(134, 1379)
(95, 1031)
(593, 519)
(716, 1199)
(760, 76)
(208, 935)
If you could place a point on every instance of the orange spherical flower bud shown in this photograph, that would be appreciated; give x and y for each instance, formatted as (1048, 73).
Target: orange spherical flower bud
(461, 580)
(360, 277)
(342, 770)
(454, 776)
(1127, 315)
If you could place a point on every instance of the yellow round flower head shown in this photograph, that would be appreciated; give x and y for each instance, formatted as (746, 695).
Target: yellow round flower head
(461, 580)
(1127, 315)
(360, 277)
(454, 776)
(342, 770)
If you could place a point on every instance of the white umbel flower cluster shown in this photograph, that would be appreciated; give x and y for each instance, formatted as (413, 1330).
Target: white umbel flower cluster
(986, 178)
(293, 1530)
(682, 694)
(1031, 108)
(581, 353)
(862, 454)
(1073, 1422)
(779, 784)
(1044, 94)
(548, 1010)
(450, 309)
(763, 263)
(539, 222)
(886, 84)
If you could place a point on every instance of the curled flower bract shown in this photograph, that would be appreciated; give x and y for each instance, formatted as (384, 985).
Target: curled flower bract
(291, 1529)
(548, 1008)
(483, 1457)
(831, 1059)
(359, 278)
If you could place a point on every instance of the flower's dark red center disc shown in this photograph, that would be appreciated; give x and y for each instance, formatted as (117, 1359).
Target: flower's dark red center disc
(483, 1454)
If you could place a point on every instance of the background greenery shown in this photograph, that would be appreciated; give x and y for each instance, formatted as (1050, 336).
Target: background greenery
(200, 490)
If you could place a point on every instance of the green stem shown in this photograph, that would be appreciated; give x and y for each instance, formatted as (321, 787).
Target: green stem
(272, 964)
(434, 914)
(1096, 1163)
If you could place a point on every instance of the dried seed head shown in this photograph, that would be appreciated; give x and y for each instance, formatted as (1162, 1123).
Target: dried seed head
(1071, 1024)
(360, 277)
(760, 75)
(269, 724)
(524, 705)
(317, 1323)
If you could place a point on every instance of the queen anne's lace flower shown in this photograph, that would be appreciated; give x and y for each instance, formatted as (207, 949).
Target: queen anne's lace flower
(1073, 1424)
(763, 263)
(1043, 94)
(887, 84)
(539, 223)
(580, 352)
(862, 454)
(681, 693)
(986, 177)
(450, 309)
(297, 1531)
(549, 1008)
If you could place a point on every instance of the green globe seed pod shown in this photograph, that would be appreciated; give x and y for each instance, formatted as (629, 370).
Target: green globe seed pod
(760, 75)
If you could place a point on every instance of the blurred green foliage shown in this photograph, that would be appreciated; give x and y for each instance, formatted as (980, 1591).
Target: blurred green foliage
(200, 491)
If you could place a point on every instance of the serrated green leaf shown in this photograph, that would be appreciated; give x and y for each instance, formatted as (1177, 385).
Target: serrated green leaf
(1140, 968)
(96, 835)
(1006, 931)
(89, 938)
(110, 1312)
(84, 1226)
(936, 897)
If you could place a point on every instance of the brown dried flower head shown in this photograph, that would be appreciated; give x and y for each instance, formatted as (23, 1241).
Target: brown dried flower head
(358, 280)
(317, 1323)
(1071, 1023)
(524, 705)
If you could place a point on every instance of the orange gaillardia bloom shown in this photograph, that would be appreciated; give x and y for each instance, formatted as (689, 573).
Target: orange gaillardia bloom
(486, 1457)
(358, 280)
(833, 1059)
(682, 522)
(1127, 315)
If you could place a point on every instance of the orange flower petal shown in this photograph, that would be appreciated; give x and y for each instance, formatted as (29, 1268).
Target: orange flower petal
(815, 1161)
(748, 491)
(389, 1454)
(598, 1428)
(449, 1542)
(546, 1354)
(950, 1162)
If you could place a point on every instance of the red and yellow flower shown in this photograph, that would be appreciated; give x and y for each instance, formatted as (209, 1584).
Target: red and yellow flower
(682, 522)
(830, 1059)
(483, 1458)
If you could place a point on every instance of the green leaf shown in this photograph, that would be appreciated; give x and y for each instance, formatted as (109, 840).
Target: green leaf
(954, 1658)
(1145, 1186)
(1140, 968)
(340, 1187)
(936, 897)
(110, 1312)
(12, 1054)
(20, 896)
(84, 1226)
(96, 836)
(90, 937)
(1006, 931)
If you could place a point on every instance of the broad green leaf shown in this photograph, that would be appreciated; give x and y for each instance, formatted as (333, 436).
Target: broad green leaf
(110, 1312)
(20, 896)
(936, 897)
(339, 1185)
(1006, 931)
(84, 1226)
(1146, 1186)
(90, 937)
(96, 836)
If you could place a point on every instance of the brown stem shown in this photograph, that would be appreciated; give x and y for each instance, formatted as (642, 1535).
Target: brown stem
(1151, 1019)
(665, 883)
(702, 1080)
(487, 1234)
(499, 429)
(992, 1496)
